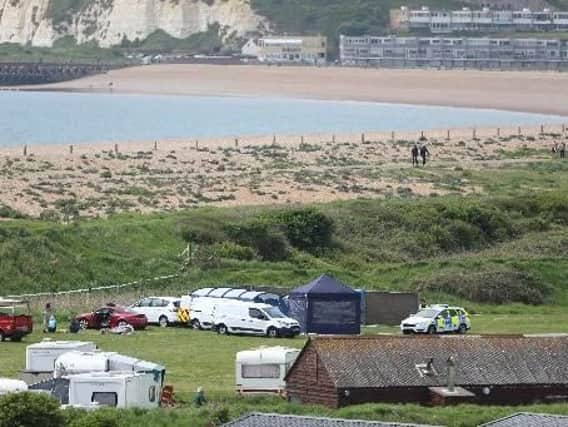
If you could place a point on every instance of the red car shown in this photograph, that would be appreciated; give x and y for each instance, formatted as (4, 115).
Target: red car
(15, 319)
(110, 317)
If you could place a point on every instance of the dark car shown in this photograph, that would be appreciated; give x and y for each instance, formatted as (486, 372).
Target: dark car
(110, 317)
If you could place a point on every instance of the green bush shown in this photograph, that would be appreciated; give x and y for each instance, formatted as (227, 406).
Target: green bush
(262, 236)
(500, 286)
(99, 418)
(233, 251)
(306, 229)
(29, 410)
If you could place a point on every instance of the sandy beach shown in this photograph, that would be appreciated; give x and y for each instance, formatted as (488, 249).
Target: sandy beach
(100, 179)
(538, 92)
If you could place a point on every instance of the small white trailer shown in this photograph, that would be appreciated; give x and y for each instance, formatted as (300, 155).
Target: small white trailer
(41, 357)
(115, 389)
(81, 362)
(263, 370)
(8, 385)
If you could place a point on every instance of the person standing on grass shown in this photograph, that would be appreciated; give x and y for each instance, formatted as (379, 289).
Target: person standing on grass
(47, 314)
(563, 150)
(423, 153)
(414, 153)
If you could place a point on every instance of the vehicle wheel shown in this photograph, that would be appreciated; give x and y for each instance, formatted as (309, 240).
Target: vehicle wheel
(272, 332)
(2, 337)
(222, 330)
(195, 324)
(432, 330)
(462, 329)
(163, 321)
(122, 323)
(84, 324)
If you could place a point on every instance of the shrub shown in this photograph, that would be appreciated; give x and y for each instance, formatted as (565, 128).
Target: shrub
(233, 251)
(29, 410)
(98, 418)
(306, 229)
(502, 286)
(262, 236)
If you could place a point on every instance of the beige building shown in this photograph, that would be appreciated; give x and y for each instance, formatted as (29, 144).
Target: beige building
(288, 49)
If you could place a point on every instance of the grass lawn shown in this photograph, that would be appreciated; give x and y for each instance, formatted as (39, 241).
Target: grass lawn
(202, 358)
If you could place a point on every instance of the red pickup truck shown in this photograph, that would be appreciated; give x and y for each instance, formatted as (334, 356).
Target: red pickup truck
(15, 319)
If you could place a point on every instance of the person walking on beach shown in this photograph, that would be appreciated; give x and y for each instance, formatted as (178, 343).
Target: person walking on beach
(563, 150)
(423, 153)
(414, 153)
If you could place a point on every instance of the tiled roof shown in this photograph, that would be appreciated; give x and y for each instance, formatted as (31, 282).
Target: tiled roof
(385, 361)
(276, 420)
(527, 419)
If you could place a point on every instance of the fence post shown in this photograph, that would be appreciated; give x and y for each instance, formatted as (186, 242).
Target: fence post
(474, 133)
(274, 140)
(362, 138)
(392, 136)
(155, 145)
(116, 148)
(71, 149)
(197, 144)
(448, 135)
(541, 129)
(25, 150)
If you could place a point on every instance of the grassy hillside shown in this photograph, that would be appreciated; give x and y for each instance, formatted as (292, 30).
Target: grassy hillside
(478, 249)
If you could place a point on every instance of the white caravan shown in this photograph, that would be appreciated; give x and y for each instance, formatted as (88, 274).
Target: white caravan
(8, 385)
(263, 370)
(240, 317)
(41, 357)
(115, 389)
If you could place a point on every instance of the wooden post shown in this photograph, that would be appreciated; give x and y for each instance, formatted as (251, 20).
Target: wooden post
(116, 148)
(448, 135)
(25, 150)
(155, 145)
(362, 138)
(71, 149)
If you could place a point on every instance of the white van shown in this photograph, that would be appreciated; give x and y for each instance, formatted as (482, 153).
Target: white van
(201, 310)
(240, 317)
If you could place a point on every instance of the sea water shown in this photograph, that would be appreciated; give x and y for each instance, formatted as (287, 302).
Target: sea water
(58, 117)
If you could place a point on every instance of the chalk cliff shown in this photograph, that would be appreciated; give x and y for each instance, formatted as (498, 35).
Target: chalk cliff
(110, 21)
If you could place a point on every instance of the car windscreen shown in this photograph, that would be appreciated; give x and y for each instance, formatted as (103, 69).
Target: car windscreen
(273, 312)
(428, 314)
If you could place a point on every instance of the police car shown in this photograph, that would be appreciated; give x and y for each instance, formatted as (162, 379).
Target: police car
(437, 319)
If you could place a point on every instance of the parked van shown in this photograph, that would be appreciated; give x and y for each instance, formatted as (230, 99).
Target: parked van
(240, 317)
(201, 310)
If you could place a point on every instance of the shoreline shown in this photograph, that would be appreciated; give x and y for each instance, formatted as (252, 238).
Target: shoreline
(521, 91)
(285, 140)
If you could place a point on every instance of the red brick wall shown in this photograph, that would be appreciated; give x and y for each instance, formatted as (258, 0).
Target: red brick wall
(308, 382)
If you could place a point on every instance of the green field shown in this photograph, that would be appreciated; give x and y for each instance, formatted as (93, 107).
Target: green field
(201, 358)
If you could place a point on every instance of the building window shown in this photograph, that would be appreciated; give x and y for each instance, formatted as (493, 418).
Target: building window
(260, 371)
(104, 398)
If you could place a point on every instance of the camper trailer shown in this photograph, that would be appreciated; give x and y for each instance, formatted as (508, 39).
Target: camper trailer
(116, 389)
(75, 362)
(41, 357)
(8, 385)
(263, 370)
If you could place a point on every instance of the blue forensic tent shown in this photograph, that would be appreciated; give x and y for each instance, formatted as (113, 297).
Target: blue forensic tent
(326, 306)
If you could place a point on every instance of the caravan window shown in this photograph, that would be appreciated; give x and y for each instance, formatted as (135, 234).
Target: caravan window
(261, 371)
(105, 398)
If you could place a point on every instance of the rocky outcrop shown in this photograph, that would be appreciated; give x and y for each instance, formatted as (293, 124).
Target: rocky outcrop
(109, 22)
